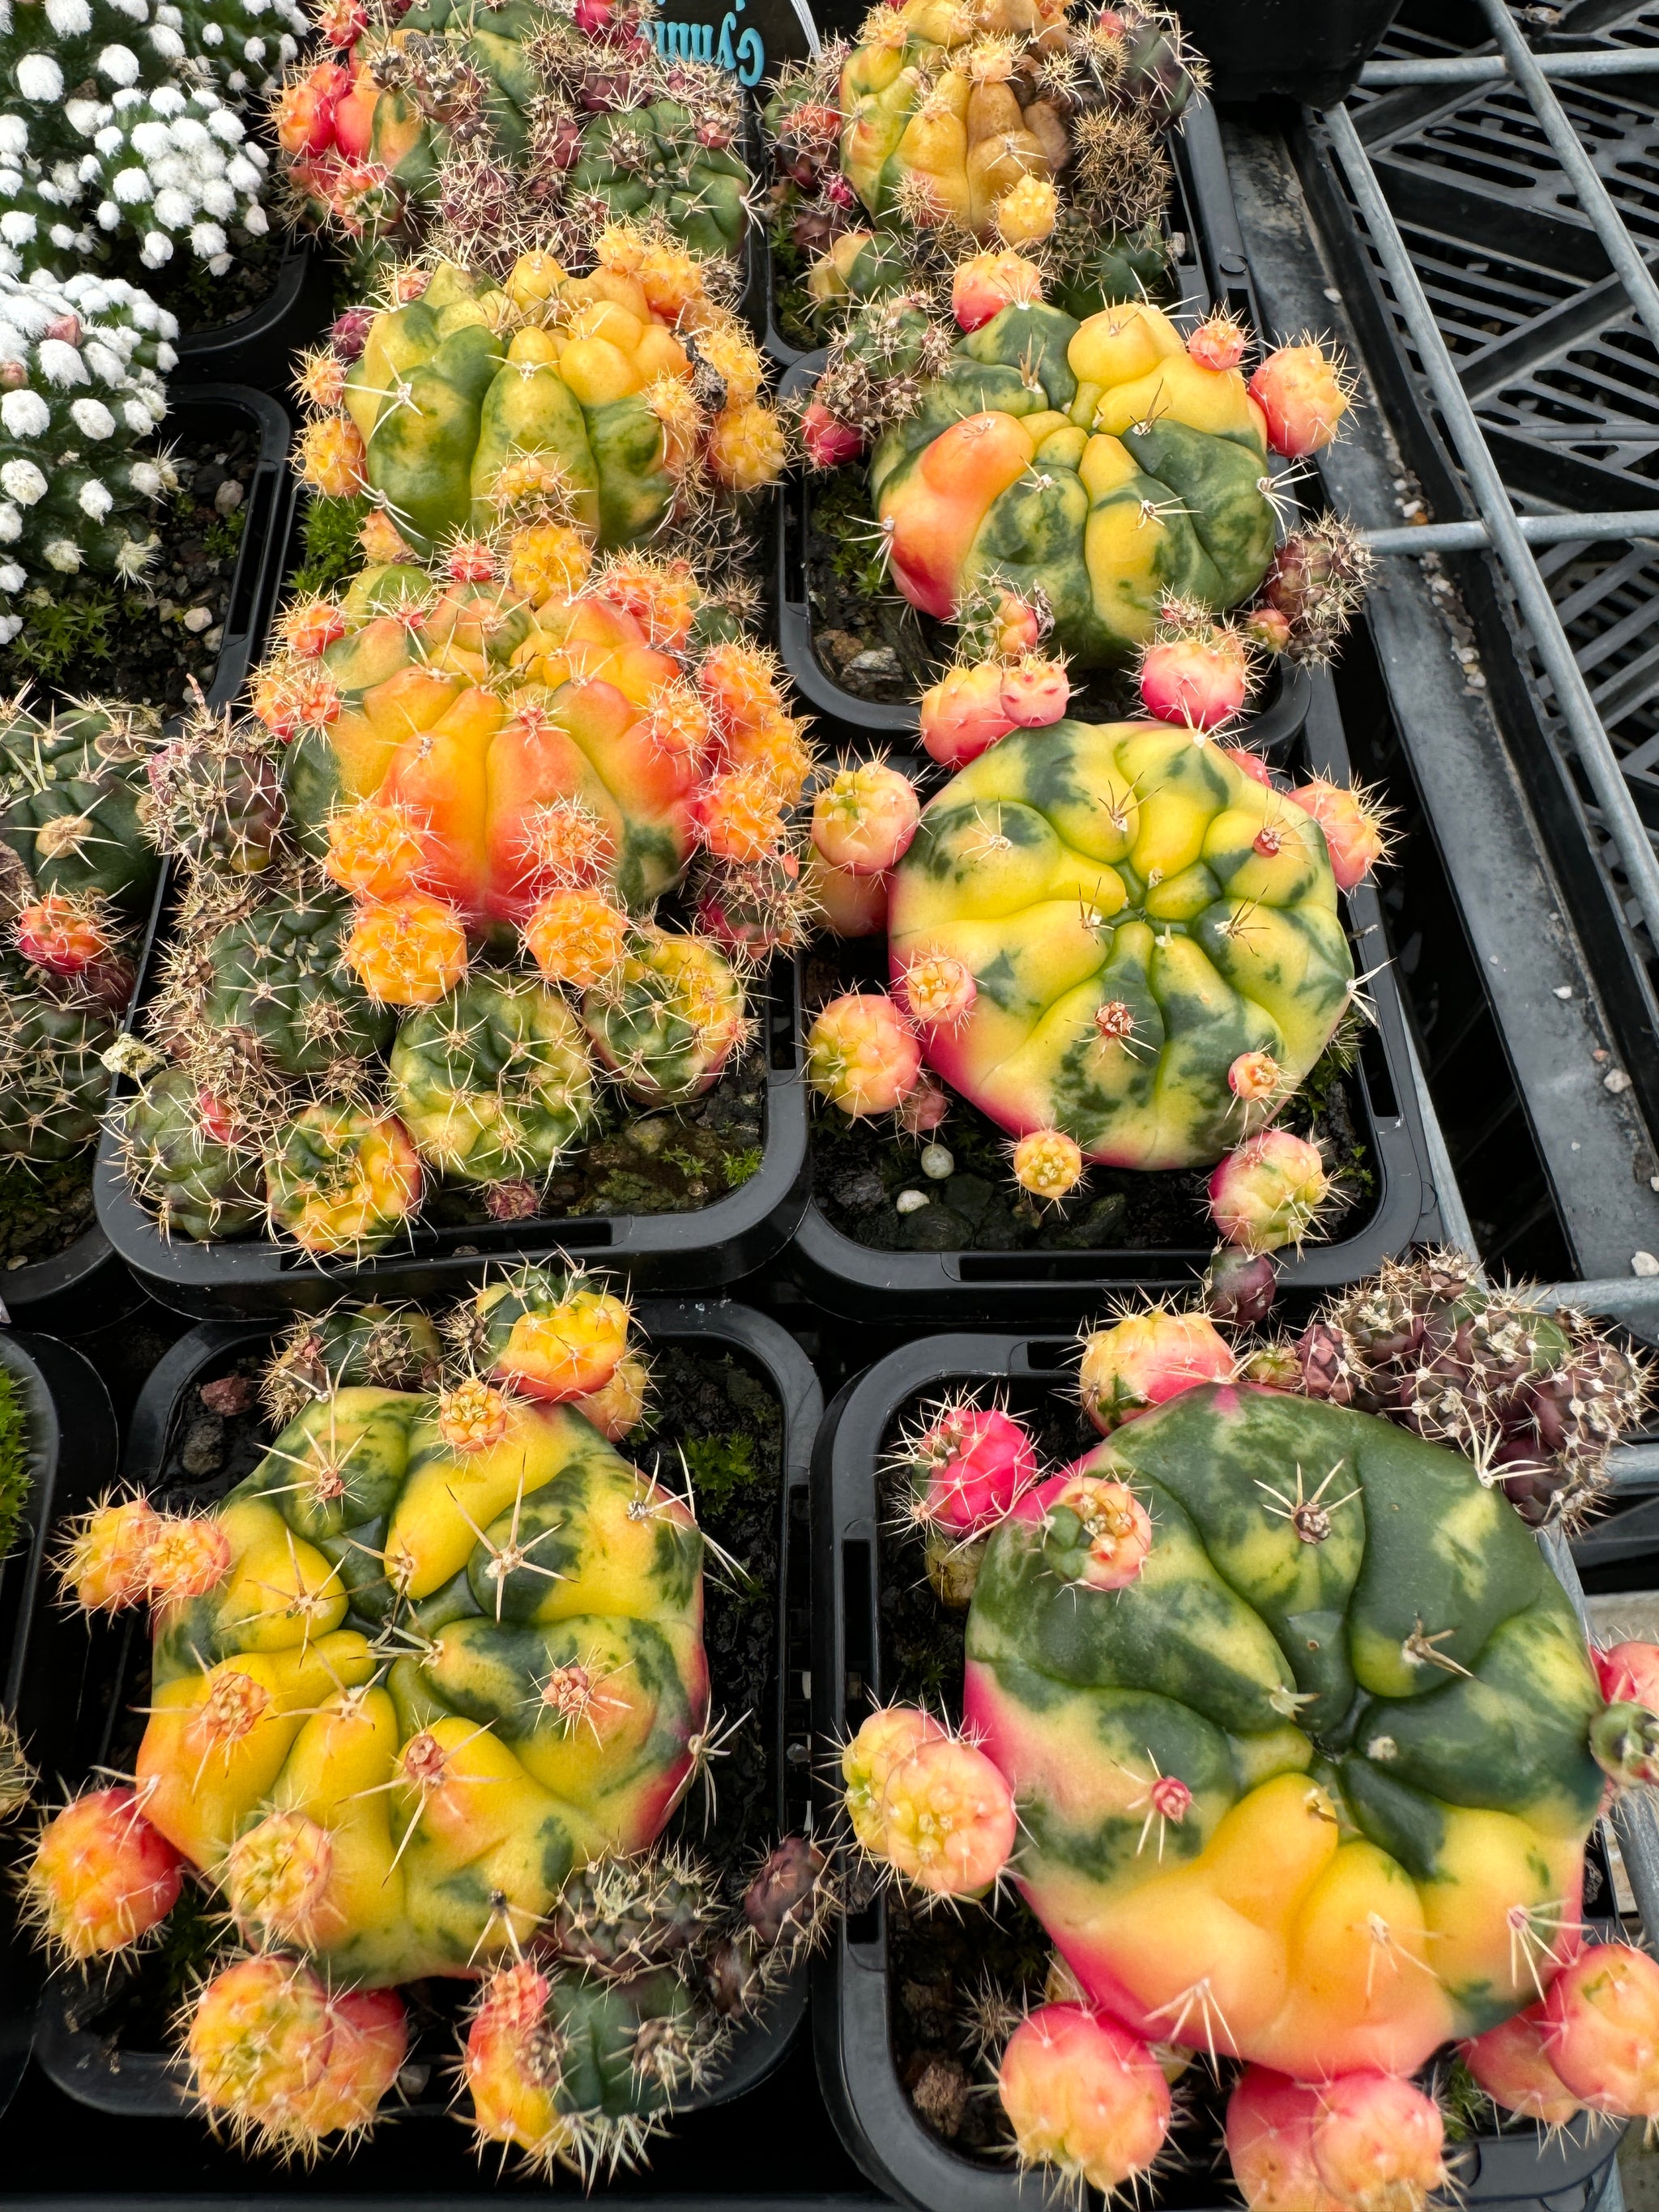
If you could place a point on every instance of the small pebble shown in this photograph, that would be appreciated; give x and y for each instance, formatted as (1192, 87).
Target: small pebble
(228, 497)
(938, 1162)
(1615, 1080)
(1564, 990)
(198, 620)
(911, 1201)
(880, 661)
(1644, 1263)
(203, 1450)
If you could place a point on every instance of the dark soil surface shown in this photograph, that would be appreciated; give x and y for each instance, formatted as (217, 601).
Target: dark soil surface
(716, 1409)
(145, 646)
(45, 1204)
(670, 1161)
(860, 1168)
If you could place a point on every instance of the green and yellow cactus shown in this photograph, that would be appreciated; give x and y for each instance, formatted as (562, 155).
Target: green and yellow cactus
(1134, 915)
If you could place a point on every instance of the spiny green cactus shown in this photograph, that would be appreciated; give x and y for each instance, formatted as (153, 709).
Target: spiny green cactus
(670, 1019)
(216, 794)
(72, 788)
(495, 1084)
(79, 397)
(280, 978)
(657, 160)
(190, 1160)
(349, 1347)
(52, 1049)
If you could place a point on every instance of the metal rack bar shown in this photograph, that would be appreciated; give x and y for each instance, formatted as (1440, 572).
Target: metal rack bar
(1481, 69)
(1636, 523)
(1573, 694)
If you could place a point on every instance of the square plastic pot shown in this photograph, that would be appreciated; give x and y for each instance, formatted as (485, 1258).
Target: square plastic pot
(702, 1250)
(1301, 725)
(86, 1285)
(93, 1672)
(853, 1993)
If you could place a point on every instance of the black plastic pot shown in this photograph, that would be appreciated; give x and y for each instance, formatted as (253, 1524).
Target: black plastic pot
(853, 1994)
(1287, 47)
(1302, 727)
(94, 1671)
(72, 1440)
(262, 558)
(700, 1251)
(257, 347)
(87, 1286)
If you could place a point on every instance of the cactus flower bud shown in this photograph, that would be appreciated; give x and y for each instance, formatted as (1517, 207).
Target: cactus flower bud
(1300, 390)
(987, 282)
(947, 1818)
(829, 441)
(922, 1110)
(1146, 1359)
(102, 1875)
(1511, 2062)
(1084, 2096)
(1356, 828)
(1218, 342)
(1378, 2142)
(937, 990)
(860, 1056)
(1268, 1192)
(864, 819)
(963, 714)
(407, 950)
(1201, 680)
(1602, 2029)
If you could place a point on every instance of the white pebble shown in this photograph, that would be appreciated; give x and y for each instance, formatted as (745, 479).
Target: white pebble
(198, 620)
(912, 1201)
(938, 1162)
(1615, 1080)
(1564, 990)
(1644, 1263)
(228, 497)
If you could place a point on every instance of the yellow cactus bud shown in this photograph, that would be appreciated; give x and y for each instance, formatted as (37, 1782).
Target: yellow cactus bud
(1027, 215)
(410, 950)
(747, 448)
(332, 457)
(547, 560)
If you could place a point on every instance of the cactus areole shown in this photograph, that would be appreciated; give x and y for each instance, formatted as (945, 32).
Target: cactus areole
(1136, 913)
(1375, 1700)
(1096, 462)
(420, 1818)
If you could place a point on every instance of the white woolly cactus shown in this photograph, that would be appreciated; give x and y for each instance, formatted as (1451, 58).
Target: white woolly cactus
(120, 116)
(80, 390)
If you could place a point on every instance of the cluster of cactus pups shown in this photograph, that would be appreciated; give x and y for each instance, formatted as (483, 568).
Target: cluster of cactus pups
(1158, 914)
(625, 401)
(952, 123)
(491, 129)
(416, 928)
(427, 1686)
(1287, 1788)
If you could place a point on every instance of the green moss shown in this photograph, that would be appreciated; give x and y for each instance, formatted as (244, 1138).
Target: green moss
(14, 1460)
(719, 1466)
(332, 552)
(740, 1166)
(840, 509)
(63, 630)
(224, 534)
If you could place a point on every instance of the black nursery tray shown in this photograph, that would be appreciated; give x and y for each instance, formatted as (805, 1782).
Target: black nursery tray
(1161, 1235)
(72, 1442)
(257, 347)
(701, 1250)
(885, 1993)
(97, 2043)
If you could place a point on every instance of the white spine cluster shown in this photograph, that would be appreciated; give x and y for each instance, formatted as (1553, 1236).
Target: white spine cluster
(81, 387)
(173, 164)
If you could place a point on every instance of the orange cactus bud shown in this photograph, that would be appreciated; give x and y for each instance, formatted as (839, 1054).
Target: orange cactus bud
(678, 723)
(277, 1878)
(410, 950)
(962, 714)
(1116, 1529)
(1218, 342)
(102, 1876)
(775, 744)
(577, 937)
(333, 457)
(1086, 2098)
(309, 627)
(864, 819)
(742, 814)
(860, 1056)
(103, 1566)
(382, 542)
(947, 1818)
(374, 850)
(1146, 1359)
(61, 934)
(547, 560)
(1356, 828)
(747, 449)
(618, 1408)
(1300, 390)
(986, 283)
(569, 1351)
(739, 682)
(185, 1558)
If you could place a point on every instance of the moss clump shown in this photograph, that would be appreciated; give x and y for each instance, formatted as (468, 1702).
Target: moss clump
(719, 1466)
(333, 551)
(14, 1459)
